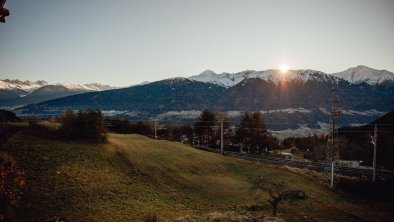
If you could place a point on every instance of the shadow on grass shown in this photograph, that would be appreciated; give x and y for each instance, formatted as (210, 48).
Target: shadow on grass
(378, 191)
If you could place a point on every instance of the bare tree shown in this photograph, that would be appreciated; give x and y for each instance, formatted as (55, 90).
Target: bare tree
(277, 189)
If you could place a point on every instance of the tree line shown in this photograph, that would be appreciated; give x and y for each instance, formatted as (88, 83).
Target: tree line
(250, 135)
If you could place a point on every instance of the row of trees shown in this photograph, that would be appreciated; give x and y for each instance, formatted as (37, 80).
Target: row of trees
(250, 135)
(124, 126)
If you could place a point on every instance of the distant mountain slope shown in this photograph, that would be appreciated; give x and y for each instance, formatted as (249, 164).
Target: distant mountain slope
(259, 94)
(17, 93)
(44, 93)
(11, 94)
(305, 89)
(156, 97)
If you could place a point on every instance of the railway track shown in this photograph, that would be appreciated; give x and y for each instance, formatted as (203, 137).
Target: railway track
(342, 170)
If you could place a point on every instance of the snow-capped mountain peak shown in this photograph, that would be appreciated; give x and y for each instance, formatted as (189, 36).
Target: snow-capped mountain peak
(208, 73)
(223, 79)
(362, 73)
(13, 84)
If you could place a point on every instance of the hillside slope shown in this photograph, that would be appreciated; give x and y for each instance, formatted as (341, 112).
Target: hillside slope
(356, 142)
(132, 176)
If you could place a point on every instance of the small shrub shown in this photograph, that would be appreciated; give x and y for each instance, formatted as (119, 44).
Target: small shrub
(84, 125)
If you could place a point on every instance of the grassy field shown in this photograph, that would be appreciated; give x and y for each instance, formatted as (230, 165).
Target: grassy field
(132, 176)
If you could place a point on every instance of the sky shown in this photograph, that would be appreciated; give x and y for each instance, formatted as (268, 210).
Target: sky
(125, 42)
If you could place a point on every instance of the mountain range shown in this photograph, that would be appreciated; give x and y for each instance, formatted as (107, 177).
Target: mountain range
(14, 93)
(291, 101)
(355, 75)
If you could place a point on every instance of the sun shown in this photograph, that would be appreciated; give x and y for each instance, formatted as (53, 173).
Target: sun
(284, 68)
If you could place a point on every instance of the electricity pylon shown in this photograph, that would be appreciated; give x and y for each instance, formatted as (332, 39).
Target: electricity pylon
(332, 153)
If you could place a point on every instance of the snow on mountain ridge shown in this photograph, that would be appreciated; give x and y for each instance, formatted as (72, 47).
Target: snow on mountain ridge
(30, 86)
(274, 75)
(98, 86)
(223, 79)
(362, 73)
(353, 75)
(86, 87)
(8, 84)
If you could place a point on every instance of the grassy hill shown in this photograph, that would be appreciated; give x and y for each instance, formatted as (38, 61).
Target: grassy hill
(132, 176)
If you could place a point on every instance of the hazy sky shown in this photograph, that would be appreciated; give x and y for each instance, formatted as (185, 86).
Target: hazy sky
(125, 42)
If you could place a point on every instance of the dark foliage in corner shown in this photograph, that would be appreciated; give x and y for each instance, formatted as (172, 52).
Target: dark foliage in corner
(12, 186)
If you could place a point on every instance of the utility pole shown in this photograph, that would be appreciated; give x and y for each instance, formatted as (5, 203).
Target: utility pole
(155, 129)
(374, 142)
(332, 175)
(221, 136)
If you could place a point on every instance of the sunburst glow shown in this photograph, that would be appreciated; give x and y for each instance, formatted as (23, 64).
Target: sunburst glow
(284, 68)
